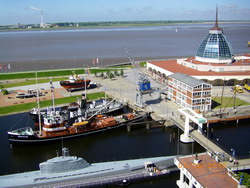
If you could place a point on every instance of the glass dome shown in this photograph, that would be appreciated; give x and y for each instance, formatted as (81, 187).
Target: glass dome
(215, 48)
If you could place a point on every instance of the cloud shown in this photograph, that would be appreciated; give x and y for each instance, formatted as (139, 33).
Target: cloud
(229, 6)
(231, 11)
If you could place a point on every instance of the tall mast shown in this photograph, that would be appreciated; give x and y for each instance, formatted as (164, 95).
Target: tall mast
(222, 93)
(52, 95)
(85, 89)
(38, 106)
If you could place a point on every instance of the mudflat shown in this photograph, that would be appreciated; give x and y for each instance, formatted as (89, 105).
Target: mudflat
(45, 50)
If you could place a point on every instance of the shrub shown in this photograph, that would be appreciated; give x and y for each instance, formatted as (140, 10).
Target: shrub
(5, 92)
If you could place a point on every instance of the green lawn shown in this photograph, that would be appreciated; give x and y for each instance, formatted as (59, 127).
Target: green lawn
(9, 76)
(30, 76)
(227, 102)
(27, 106)
(30, 82)
(54, 73)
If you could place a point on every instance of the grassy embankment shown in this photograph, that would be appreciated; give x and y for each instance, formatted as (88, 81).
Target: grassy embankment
(45, 76)
(227, 102)
(27, 106)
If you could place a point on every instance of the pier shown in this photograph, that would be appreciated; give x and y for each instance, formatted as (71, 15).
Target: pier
(210, 146)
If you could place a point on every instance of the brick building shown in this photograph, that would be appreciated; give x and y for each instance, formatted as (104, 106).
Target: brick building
(189, 92)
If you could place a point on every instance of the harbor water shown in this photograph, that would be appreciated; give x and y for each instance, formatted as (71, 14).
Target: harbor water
(108, 146)
(115, 145)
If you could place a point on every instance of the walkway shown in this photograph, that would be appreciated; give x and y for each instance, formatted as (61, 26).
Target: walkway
(243, 164)
(211, 147)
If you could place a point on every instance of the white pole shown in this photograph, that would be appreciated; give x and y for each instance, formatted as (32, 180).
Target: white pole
(42, 23)
(38, 106)
(52, 95)
(186, 130)
(85, 88)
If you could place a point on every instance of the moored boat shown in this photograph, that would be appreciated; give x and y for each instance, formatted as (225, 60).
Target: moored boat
(58, 126)
(75, 82)
(101, 106)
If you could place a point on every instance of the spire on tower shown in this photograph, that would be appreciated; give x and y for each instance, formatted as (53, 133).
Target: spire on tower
(216, 19)
(216, 26)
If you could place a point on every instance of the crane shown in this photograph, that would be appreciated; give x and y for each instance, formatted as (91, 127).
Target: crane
(38, 9)
(144, 85)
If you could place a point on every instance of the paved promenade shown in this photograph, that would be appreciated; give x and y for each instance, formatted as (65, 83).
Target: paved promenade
(242, 164)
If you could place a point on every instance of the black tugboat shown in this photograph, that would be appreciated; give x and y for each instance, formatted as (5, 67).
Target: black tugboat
(57, 126)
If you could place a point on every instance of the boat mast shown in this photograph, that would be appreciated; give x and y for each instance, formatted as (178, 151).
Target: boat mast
(38, 106)
(52, 95)
(85, 89)
(222, 93)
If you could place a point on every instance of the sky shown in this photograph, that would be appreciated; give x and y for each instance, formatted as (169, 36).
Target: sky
(19, 11)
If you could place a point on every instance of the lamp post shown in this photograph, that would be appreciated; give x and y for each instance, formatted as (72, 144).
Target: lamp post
(233, 153)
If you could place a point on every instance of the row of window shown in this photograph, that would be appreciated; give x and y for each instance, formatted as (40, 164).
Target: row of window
(201, 93)
(183, 87)
(204, 86)
(201, 101)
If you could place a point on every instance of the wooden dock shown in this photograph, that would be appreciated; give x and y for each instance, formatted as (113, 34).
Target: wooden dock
(227, 117)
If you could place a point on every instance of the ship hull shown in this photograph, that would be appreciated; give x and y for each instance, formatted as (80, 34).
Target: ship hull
(21, 140)
(75, 85)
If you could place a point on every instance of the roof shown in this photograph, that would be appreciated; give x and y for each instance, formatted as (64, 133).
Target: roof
(210, 173)
(174, 67)
(189, 80)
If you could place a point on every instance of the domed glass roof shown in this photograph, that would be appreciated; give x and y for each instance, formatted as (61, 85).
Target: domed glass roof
(215, 48)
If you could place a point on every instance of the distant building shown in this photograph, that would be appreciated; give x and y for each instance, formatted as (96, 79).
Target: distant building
(202, 172)
(189, 92)
(214, 62)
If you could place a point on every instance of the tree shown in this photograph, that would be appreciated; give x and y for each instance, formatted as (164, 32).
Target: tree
(5, 92)
(102, 75)
(116, 73)
(96, 75)
(111, 75)
(122, 73)
(107, 73)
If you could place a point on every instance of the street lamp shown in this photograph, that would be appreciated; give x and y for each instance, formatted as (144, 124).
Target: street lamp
(233, 153)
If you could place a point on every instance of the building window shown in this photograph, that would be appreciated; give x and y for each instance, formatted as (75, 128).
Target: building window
(189, 88)
(186, 180)
(197, 94)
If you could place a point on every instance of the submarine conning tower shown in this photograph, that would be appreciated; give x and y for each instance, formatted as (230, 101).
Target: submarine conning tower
(64, 163)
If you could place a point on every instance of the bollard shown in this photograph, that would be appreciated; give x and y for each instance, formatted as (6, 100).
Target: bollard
(128, 128)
